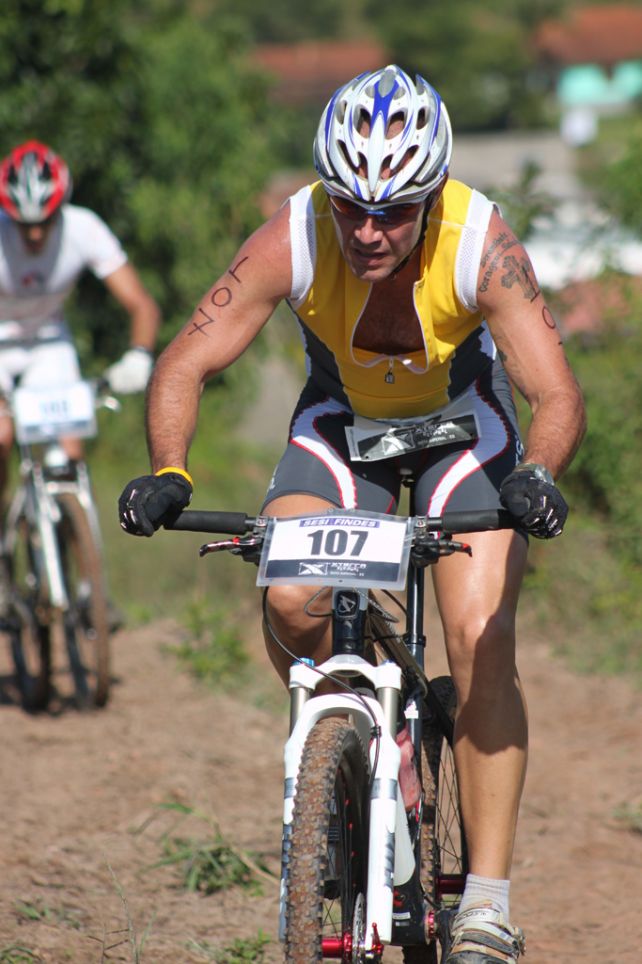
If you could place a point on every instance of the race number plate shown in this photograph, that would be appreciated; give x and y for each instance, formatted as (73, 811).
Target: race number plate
(43, 414)
(337, 549)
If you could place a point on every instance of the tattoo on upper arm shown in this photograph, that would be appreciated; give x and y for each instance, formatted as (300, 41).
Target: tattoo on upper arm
(519, 271)
(493, 256)
(516, 269)
(220, 298)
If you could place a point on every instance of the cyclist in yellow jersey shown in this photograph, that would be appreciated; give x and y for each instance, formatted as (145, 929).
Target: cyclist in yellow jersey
(419, 309)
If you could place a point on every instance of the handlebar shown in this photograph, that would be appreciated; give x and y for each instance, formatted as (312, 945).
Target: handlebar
(239, 523)
(199, 520)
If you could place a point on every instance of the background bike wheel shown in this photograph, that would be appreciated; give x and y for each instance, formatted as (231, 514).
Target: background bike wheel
(28, 618)
(85, 624)
(328, 845)
(31, 651)
(444, 861)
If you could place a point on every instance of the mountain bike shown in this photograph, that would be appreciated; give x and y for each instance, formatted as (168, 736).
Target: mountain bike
(52, 548)
(358, 872)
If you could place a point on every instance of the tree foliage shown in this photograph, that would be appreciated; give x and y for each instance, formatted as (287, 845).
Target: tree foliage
(479, 56)
(286, 21)
(620, 186)
(163, 124)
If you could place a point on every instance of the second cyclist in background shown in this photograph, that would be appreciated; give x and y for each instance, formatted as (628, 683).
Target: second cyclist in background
(46, 243)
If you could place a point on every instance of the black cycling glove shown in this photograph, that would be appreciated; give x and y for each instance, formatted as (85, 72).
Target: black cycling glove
(530, 494)
(151, 501)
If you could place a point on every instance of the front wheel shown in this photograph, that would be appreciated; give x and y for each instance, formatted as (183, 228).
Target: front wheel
(327, 869)
(85, 622)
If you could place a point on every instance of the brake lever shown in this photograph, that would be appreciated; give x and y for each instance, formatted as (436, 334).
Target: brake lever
(428, 551)
(448, 546)
(247, 547)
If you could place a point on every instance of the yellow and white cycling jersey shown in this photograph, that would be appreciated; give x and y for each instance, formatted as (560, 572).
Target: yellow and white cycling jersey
(329, 300)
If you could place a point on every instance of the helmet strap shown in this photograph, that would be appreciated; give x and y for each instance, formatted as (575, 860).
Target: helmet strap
(431, 200)
(420, 240)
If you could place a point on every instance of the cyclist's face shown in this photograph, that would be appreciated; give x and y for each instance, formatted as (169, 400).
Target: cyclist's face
(34, 236)
(375, 243)
(372, 247)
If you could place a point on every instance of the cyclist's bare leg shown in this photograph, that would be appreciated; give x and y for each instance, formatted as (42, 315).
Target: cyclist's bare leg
(72, 448)
(302, 634)
(477, 600)
(6, 444)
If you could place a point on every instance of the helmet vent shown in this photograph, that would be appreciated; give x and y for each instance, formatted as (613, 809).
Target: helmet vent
(363, 122)
(396, 123)
(387, 82)
(348, 159)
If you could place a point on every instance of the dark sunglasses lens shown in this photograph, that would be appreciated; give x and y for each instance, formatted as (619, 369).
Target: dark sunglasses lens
(395, 214)
(348, 208)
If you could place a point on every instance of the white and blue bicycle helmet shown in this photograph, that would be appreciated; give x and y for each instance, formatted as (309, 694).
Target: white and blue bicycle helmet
(355, 154)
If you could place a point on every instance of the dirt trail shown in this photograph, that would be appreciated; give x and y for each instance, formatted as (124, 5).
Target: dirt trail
(81, 798)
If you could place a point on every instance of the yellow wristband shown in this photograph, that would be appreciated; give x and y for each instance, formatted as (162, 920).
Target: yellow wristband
(174, 468)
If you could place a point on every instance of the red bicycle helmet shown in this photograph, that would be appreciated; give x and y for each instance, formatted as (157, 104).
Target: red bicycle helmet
(34, 182)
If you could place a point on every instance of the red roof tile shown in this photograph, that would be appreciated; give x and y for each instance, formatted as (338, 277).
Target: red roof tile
(601, 35)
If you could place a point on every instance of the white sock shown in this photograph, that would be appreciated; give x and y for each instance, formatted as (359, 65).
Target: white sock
(483, 890)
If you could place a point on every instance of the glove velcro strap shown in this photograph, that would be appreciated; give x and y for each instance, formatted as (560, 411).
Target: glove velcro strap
(174, 468)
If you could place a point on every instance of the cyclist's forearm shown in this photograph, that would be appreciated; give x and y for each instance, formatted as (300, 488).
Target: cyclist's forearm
(171, 414)
(556, 431)
(144, 325)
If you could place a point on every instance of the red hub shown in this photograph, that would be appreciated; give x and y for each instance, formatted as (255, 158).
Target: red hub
(337, 948)
(340, 948)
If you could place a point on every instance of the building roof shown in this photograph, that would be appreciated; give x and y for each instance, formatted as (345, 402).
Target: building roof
(599, 35)
(309, 72)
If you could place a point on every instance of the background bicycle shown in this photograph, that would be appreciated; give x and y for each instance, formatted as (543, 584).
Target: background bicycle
(57, 613)
(358, 871)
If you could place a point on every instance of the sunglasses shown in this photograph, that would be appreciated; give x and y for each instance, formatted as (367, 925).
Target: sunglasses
(38, 224)
(388, 214)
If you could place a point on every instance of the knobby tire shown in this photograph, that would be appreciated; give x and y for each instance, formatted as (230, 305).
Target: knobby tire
(327, 869)
(86, 624)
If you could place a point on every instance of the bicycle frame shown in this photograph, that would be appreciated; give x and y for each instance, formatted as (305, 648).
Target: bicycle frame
(35, 498)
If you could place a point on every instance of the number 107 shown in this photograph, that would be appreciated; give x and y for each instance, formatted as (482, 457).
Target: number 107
(335, 542)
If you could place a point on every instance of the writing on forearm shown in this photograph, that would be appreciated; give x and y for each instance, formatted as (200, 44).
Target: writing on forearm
(221, 297)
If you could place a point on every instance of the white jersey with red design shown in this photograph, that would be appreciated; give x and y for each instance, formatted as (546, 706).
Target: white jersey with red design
(34, 287)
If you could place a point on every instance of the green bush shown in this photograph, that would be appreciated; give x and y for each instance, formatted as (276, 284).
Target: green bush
(586, 588)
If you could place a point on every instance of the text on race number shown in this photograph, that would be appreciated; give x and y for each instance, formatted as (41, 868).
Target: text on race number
(368, 549)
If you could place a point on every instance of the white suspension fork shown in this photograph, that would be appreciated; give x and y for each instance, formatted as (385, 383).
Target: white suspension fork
(390, 855)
